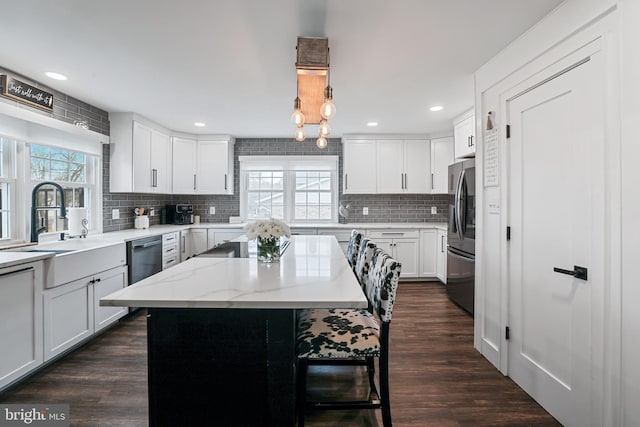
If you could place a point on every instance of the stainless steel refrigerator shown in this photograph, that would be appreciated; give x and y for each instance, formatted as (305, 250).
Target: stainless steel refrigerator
(461, 238)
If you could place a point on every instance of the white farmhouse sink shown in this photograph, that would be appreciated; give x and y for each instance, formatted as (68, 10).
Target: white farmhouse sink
(79, 258)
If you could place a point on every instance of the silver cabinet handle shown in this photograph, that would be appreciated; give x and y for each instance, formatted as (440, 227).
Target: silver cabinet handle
(432, 181)
(184, 245)
(442, 243)
(402, 181)
(346, 182)
(225, 181)
(154, 178)
(194, 181)
(471, 141)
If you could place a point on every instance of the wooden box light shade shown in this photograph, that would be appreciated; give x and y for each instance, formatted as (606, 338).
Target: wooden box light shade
(312, 66)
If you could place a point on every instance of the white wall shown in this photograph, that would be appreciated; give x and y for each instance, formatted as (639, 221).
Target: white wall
(630, 150)
(572, 23)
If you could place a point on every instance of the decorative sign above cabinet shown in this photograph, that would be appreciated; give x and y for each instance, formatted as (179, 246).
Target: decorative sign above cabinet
(24, 92)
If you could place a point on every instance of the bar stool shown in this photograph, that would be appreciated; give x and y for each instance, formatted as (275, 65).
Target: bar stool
(354, 247)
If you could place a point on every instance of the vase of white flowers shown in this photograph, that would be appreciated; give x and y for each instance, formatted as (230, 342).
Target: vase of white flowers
(268, 234)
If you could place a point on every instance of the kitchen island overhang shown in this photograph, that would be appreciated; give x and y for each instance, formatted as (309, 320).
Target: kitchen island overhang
(221, 332)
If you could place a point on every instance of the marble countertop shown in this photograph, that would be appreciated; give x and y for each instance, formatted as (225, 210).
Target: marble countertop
(312, 273)
(15, 256)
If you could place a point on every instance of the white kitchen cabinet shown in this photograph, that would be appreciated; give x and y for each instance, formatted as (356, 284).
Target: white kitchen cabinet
(21, 333)
(403, 245)
(198, 241)
(170, 250)
(68, 316)
(464, 129)
(359, 166)
(441, 158)
(441, 256)
(72, 312)
(186, 245)
(104, 284)
(218, 236)
(428, 253)
(205, 166)
(140, 156)
(403, 166)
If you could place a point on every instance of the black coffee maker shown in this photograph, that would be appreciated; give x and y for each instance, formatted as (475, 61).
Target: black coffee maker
(180, 214)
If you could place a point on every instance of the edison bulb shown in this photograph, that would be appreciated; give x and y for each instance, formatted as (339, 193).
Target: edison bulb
(325, 129)
(321, 142)
(300, 134)
(297, 118)
(328, 109)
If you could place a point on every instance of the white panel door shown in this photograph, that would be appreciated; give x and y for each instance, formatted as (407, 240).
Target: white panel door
(406, 251)
(428, 253)
(441, 158)
(359, 160)
(142, 173)
(161, 162)
(556, 165)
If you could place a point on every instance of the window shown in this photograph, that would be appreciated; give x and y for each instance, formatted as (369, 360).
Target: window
(292, 188)
(7, 185)
(74, 171)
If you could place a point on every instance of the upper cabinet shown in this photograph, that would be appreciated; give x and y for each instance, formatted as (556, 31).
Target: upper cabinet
(403, 166)
(143, 157)
(386, 166)
(464, 134)
(359, 164)
(441, 158)
(205, 166)
(140, 156)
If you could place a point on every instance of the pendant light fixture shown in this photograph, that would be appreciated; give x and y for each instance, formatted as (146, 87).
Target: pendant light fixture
(314, 95)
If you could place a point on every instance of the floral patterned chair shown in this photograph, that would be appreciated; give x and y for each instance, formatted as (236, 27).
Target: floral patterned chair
(351, 335)
(354, 247)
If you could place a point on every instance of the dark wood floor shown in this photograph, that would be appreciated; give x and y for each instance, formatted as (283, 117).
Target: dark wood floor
(437, 377)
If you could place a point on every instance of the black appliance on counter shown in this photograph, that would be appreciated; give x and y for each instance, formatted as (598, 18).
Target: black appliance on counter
(179, 214)
(461, 238)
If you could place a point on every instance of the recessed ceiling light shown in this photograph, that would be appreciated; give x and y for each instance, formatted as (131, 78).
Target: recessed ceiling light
(372, 124)
(199, 124)
(436, 108)
(56, 76)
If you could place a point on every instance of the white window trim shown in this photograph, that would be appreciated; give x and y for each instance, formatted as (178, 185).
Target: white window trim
(290, 163)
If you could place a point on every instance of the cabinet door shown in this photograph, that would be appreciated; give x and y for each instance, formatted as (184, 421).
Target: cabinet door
(417, 167)
(406, 251)
(198, 240)
(104, 284)
(185, 245)
(441, 267)
(359, 160)
(143, 176)
(441, 158)
(68, 316)
(390, 166)
(386, 245)
(160, 162)
(212, 168)
(20, 321)
(184, 165)
(464, 136)
(428, 253)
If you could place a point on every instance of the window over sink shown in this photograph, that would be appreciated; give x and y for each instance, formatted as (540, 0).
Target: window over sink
(291, 188)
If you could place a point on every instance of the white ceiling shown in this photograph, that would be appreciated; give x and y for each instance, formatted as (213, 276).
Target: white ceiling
(230, 63)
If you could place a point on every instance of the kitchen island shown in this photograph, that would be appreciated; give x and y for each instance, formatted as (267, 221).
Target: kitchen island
(221, 332)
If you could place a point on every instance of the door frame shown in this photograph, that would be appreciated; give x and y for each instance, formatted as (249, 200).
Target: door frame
(606, 366)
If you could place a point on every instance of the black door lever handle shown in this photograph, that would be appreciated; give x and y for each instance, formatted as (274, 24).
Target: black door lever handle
(577, 272)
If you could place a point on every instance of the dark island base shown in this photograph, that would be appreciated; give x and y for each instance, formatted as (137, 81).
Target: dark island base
(222, 367)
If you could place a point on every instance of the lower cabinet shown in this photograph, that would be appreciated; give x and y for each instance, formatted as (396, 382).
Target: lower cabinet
(104, 284)
(72, 311)
(428, 245)
(441, 256)
(20, 320)
(198, 241)
(186, 248)
(403, 245)
(217, 236)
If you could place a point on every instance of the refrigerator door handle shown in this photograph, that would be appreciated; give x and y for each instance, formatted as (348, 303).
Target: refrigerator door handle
(458, 206)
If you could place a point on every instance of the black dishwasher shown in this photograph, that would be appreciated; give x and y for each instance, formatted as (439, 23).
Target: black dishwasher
(144, 258)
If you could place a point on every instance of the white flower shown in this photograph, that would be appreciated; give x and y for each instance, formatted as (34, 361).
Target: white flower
(267, 229)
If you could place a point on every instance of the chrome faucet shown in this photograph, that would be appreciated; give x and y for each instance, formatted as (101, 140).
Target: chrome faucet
(35, 230)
